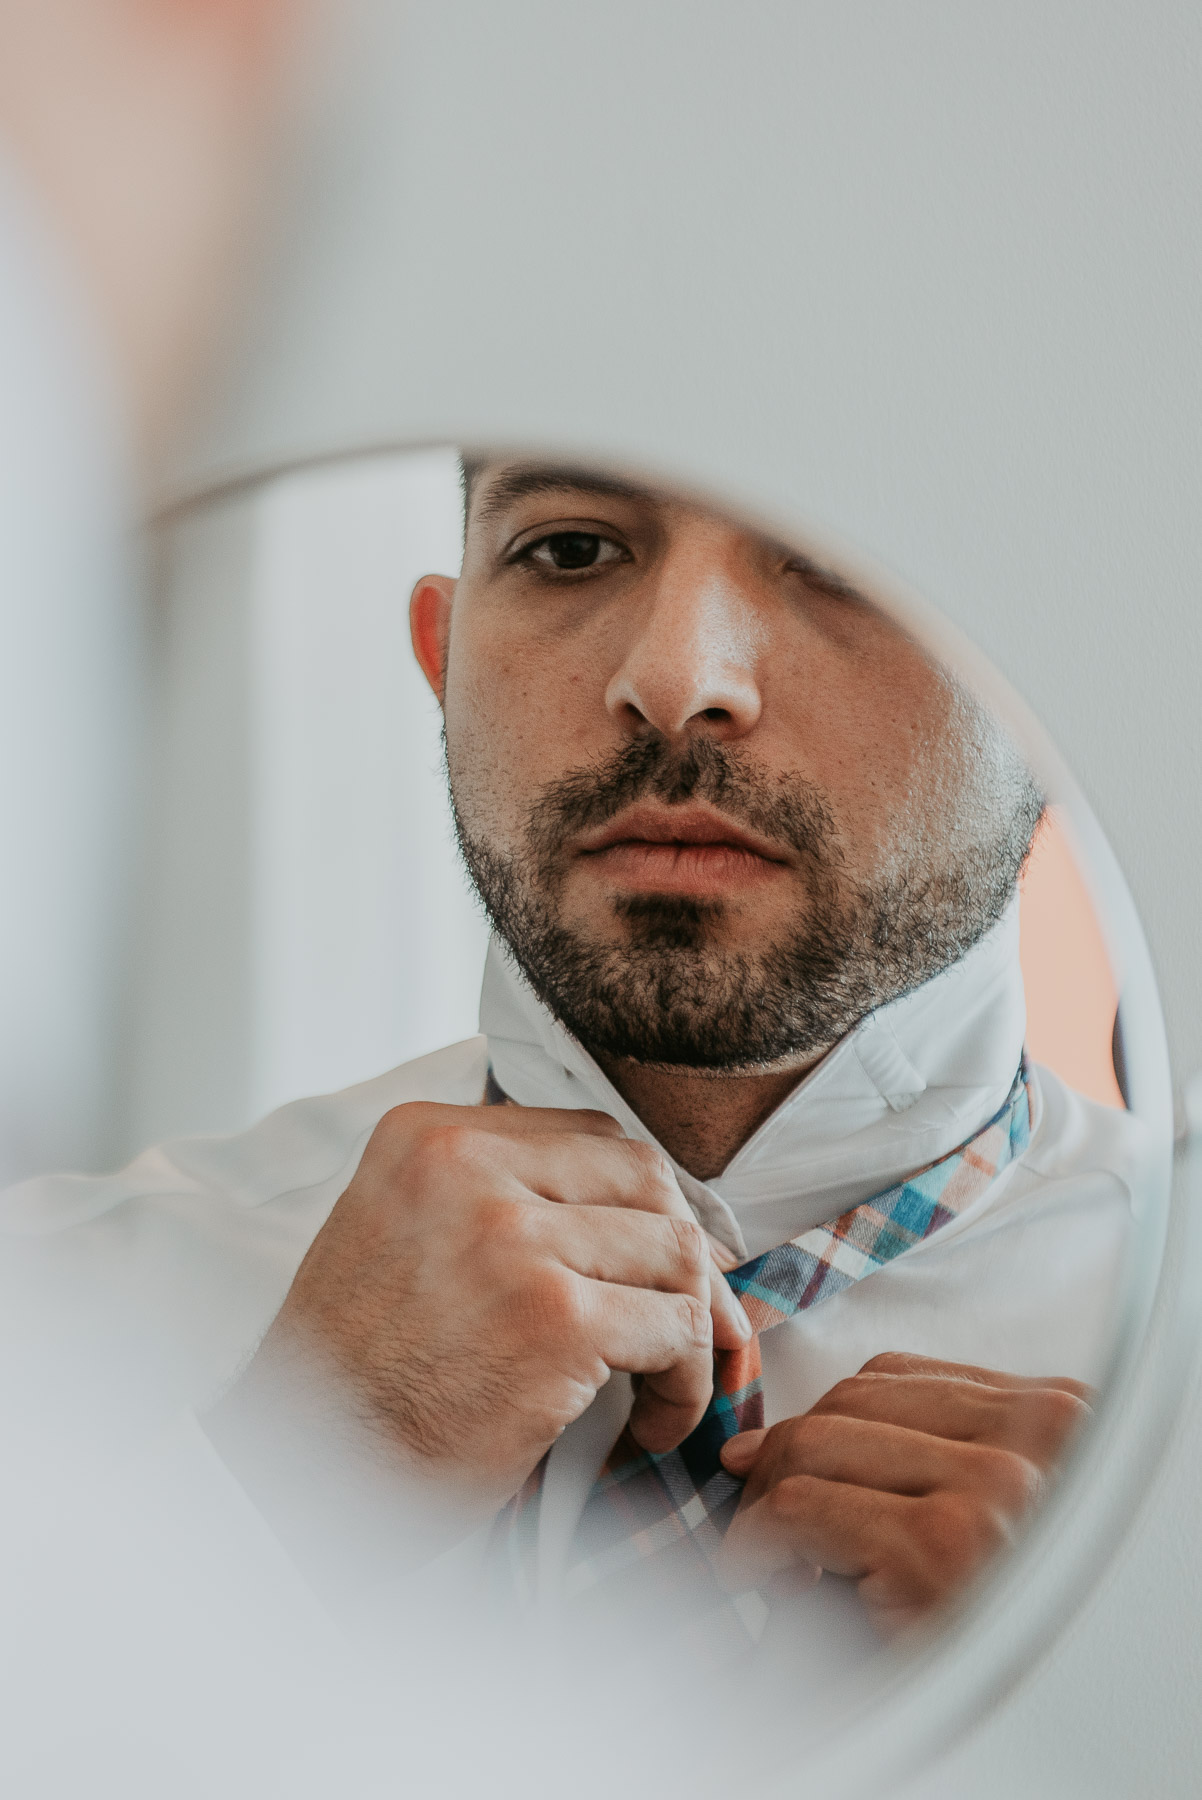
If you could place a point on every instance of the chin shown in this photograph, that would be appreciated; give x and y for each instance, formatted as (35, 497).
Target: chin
(790, 1062)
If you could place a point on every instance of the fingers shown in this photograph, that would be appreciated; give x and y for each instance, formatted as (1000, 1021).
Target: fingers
(602, 1171)
(732, 1327)
(902, 1363)
(908, 1555)
(627, 1252)
(569, 1157)
(1027, 1418)
(520, 1152)
(739, 1453)
(671, 1404)
(630, 1248)
(889, 1458)
(623, 1174)
(912, 1515)
(666, 1338)
(806, 1521)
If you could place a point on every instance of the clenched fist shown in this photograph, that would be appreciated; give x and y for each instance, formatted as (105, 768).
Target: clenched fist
(482, 1275)
(908, 1477)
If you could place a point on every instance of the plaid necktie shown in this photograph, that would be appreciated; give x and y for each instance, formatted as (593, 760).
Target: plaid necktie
(664, 1516)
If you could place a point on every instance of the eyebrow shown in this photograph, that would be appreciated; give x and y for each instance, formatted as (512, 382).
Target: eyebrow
(504, 490)
(556, 478)
(826, 578)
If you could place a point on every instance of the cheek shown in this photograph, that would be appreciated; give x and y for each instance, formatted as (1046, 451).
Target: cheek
(911, 781)
(516, 719)
(868, 724)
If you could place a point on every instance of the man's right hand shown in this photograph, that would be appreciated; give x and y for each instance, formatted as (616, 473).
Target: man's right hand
(486, 1270)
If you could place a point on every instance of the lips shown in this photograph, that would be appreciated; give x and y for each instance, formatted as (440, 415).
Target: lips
(688, 851)
(682, 827)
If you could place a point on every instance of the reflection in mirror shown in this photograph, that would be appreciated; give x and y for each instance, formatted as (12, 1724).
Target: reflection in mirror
(743, 1286)
(751, 857)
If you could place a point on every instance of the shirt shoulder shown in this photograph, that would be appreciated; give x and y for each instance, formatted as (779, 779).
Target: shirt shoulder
(148, 1289)
(1074, 1138)
(307, 1145)
(1084, 1179)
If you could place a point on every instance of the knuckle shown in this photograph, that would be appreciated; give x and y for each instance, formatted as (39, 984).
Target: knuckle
(1062, 1413)
(397, 1128)
(507, 1224)
(651, 1165)
(446, 1142)
(842, 1395)
(692, 1250)
(433, 1144)
(601, 1122)
(408, 1114)
(889, 1362)
(696, 1321)
(949, 1531)
(790, 1447)
(421, 1139)
(913, 1364)
(959, 1533)
(1011, 1482)
(781, 1502)
(806, 1434)
(789, 1437)
(557, 1302)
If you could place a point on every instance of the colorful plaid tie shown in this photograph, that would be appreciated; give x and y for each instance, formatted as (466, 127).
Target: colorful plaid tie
(672, 1510)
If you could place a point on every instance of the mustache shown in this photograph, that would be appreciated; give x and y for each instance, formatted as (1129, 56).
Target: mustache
(787, 810)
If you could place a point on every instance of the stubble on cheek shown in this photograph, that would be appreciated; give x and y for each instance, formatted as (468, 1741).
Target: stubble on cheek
(507, 734)
(483, 758)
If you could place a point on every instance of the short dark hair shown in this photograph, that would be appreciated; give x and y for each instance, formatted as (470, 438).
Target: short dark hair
(470, 468)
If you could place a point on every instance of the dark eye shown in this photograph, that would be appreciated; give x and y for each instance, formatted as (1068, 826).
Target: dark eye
(570, 550)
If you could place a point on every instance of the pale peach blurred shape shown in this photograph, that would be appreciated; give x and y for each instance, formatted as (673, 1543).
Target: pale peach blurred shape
(146, 128)
(1071, 994)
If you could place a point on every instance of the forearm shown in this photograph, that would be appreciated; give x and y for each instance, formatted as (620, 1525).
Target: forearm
(350, 1507)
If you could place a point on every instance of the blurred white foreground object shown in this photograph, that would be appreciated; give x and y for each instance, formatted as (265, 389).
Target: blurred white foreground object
(69, 682)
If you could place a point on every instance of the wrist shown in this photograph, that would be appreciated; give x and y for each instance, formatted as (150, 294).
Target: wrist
(352, 1506)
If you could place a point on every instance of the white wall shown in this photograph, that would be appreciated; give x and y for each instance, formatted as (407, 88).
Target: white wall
(924, 274)
(370, 949)
(305, 920)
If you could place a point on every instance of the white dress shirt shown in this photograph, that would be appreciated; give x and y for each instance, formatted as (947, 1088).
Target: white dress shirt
(1028, 1279)
(146, 1291)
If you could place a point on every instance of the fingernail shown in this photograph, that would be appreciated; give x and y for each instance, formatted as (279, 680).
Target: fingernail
(744, 1322)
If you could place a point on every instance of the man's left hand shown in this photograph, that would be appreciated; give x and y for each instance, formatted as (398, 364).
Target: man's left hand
(907, 1477)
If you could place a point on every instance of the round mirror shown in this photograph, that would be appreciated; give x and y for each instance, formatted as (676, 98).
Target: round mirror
(765, 873)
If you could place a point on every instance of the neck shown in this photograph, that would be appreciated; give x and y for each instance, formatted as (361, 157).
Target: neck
(702, 1117)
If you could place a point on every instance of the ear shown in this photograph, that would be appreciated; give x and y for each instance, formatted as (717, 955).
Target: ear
(430, 627)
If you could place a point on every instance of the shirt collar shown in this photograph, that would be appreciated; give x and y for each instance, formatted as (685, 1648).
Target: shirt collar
(912, 1081)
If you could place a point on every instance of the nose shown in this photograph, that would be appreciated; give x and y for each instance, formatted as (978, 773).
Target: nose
(693, 661)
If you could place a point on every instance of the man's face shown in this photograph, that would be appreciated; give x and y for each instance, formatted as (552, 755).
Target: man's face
(719, 805)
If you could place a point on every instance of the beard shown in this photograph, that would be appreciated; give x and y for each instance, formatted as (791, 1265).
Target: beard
(674, 993)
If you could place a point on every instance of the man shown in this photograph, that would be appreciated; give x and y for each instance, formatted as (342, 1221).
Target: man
(751, 860)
